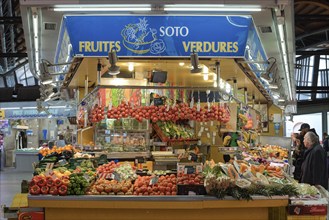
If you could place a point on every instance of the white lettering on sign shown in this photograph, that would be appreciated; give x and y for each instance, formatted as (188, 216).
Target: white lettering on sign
(174, 31)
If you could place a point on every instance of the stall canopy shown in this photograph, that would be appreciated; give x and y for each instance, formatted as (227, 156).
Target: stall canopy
(159, 36)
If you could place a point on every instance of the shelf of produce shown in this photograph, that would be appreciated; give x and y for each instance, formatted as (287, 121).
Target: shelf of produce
(124, 155)
(155, 207)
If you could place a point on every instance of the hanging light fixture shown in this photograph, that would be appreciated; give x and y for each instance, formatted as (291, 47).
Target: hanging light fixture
(113, 59)
(195, 63)
(269, 72)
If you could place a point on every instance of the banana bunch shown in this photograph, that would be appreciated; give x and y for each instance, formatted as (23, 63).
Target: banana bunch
(243, 118)
(253, 137)
(246, 136)
(227, 140)
(243, 144)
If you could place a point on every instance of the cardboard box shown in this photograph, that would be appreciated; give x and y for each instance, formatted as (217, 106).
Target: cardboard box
(307, 210)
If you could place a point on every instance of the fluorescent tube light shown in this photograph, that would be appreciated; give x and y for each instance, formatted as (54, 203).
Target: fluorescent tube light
(215, 7)
(130, 7)
(29, 107)
(10, 108)
(285, 57)
(60, 106)
(36, 41)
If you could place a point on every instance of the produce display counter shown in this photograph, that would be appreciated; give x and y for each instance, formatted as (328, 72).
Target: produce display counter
(25, 159)
(155, 207)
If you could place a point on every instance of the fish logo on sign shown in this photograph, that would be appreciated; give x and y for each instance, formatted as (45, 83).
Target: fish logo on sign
(141, 39)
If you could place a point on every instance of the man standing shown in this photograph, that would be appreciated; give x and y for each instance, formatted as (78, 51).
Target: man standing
(298, 154)
(314, 167)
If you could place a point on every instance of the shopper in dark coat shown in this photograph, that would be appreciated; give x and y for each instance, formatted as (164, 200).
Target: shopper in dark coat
(314, 167)
(298, 154)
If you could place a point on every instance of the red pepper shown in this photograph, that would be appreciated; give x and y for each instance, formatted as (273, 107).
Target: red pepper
(44, 190)
(35, 190)
(32, 183)
(36, 178)
(58, 182)
(50, 182)
(42, 182)
(53, 191)
(62, 190)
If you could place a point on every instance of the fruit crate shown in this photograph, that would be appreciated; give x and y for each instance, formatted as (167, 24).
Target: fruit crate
(165, 138)
(191, 190)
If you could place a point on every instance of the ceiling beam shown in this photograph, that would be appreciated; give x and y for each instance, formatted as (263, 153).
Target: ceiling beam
(310, 18)
(312, 87)
(10, 20)
(311, 53)
(311, 102)
(13, 54)
(15, 68)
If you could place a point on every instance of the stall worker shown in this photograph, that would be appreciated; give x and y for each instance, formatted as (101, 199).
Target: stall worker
(314, 167)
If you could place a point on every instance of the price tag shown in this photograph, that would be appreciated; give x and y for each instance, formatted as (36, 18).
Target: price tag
(110, 105)
(198, 107)
(199, 134)
(116, 176)
(180, 168)
(62, 162)
(208, 106)
(212, 123)
(49, 166)
(167, 109)
(198, 169)
(206, 129)
(189, 157)
(87, 177)
(108, 139)
(139, 160)
(208, 135)
(189, 169)
(154, 180)
(201, 129)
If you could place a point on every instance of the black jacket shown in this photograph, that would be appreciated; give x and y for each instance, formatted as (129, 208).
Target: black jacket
(326, 144)
(314, 167)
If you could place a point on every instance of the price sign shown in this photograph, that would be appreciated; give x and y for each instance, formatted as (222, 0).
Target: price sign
(49, 167)
(154, 180)
(62, 162)
(189, 169)
(116, 176)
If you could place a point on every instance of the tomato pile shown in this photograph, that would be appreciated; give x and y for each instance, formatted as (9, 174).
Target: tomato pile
(164, 185)
(169, 113)
(189, 179)
(111, 187)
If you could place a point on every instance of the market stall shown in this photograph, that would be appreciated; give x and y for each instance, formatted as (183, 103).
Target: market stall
(175, 99)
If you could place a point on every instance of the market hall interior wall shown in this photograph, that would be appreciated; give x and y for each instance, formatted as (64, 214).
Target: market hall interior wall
(271, 131)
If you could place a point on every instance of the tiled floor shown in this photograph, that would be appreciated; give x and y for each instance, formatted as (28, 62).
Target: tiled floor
(10, 184)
